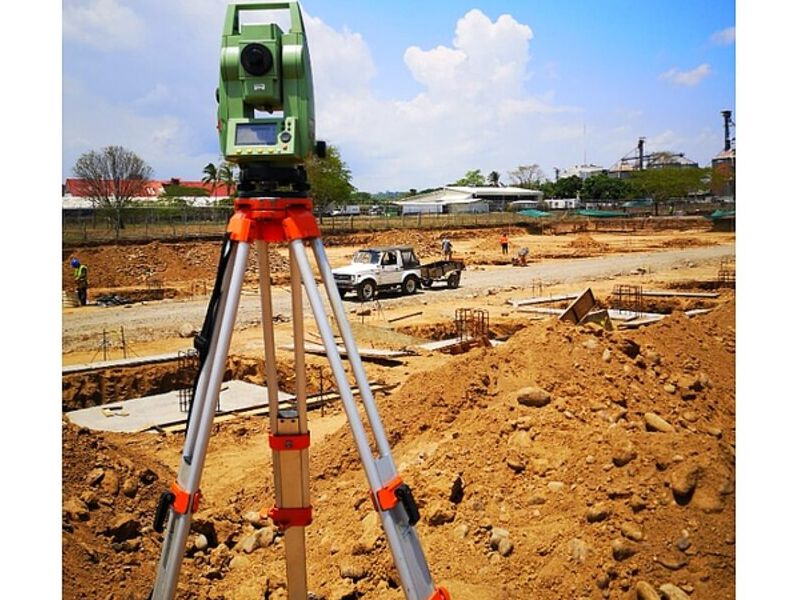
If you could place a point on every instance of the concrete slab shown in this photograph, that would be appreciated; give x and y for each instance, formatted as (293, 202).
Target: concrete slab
(160, 410)
(364, 353)
(543, 299)
(120, 362)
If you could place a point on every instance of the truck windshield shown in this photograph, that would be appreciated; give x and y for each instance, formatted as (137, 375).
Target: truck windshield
(366, 257)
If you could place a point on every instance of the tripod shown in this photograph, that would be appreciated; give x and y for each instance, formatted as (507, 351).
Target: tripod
(259, 221)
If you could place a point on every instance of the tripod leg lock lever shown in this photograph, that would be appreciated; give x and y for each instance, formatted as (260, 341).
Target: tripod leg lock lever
(393, 492)
(179, 500)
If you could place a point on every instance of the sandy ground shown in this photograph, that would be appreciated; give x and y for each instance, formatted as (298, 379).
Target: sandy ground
(582, 493)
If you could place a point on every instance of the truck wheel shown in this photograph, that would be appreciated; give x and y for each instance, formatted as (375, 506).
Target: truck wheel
(426, 283)
(366, 290)
(410, 285)
(453, 280)
(342, 292)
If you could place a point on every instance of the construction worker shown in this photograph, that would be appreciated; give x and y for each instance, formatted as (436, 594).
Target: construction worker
(504, 243)
(523, 256)
(81, 274)
(447, 249)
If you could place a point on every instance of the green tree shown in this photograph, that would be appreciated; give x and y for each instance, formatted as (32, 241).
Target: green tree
(112, 178)
(568, 187)
(329, 178)
(211, 176)
(361, 197)
(527, 176)
(494, 179)
(175, 193)
(227, 176)
(664, 184)
(472, 178)
(603, 187)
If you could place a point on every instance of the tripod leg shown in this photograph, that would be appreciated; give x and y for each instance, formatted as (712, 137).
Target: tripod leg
(186, 489)
(397, 509)
(290, 465)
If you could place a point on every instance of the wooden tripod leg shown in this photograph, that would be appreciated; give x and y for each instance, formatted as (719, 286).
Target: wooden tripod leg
(289, 437)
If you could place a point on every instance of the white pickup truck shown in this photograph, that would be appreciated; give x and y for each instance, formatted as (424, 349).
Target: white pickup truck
(374, 269)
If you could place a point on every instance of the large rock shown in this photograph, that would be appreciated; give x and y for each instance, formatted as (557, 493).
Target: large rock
(683, 481)
(260, 538)
(645, 591)
(622, 549)
(353, 572)
(655, 423)
(130, 486)
(124, 528)
(623, 454)
(75, 510)
(673, 592)
(578, 550)
(440, 514)
(597, 513)
(632, 531)
(500, 540)
(533, 396)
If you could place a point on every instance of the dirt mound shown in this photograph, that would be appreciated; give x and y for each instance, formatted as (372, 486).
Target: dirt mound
(586, 245)
(190, 267)
(593, 497)
(569, 462)
(682, 242)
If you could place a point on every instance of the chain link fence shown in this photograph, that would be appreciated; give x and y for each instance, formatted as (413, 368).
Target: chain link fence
(87, 225)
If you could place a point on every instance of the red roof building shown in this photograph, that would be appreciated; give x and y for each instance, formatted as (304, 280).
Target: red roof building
(79, 188)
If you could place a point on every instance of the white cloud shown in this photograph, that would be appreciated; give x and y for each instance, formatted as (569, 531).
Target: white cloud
(340, 61)
(103, 24)
(165, 142)
(687, 78)
(473, 110)
(724, 37)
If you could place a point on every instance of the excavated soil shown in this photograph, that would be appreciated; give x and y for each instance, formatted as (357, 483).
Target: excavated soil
(567, 462)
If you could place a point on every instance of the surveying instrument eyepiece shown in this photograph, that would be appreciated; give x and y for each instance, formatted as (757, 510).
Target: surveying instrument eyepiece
(265, 113)
(266, 127)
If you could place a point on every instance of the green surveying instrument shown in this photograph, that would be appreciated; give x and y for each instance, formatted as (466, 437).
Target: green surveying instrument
(266, 127)
(266, 101)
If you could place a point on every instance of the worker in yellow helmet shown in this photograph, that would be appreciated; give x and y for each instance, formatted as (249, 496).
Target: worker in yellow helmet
(81, 274)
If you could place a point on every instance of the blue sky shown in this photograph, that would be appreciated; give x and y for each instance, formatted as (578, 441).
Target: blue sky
(414, 94)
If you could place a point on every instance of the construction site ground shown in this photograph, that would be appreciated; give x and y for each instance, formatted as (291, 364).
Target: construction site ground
(566, 462)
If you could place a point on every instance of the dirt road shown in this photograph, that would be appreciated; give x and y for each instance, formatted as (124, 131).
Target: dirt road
(147, 321)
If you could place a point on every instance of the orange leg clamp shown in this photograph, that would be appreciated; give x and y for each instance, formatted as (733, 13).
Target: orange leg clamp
(299, 441)
(385, 498)
(184, 501)
(440, 593)
(290, 517)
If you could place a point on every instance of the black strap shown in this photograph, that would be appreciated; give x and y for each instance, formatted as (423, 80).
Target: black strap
(202, 340)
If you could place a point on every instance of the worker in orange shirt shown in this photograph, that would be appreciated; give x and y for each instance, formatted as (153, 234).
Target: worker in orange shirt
(504, 243)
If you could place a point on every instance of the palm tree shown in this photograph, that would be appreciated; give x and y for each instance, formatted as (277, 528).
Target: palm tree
(211, 176)
(227, 176)
(494, 179)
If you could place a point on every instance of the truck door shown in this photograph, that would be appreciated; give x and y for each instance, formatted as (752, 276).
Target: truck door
(391, 272)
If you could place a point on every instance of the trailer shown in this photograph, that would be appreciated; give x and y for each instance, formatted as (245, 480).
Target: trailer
(448, 271)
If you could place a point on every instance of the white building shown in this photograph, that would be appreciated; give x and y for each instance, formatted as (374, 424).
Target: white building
(562, 203)
(582, 171)
(458, 199)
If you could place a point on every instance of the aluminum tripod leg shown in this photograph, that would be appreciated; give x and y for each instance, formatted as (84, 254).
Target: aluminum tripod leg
(409, 559)
(199, 430)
